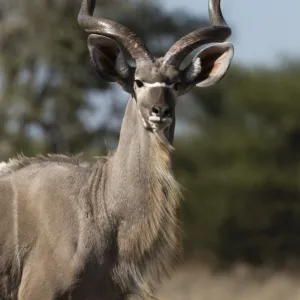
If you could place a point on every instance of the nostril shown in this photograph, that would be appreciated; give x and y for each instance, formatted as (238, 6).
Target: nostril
(155, 110)
(167, 113)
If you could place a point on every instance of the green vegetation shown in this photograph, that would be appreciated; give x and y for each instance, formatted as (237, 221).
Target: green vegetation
(241, 174)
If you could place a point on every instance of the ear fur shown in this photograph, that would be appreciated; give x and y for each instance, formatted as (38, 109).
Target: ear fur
(208, 67)
(109, 60)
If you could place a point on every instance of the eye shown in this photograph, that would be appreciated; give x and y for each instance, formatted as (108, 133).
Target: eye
(139, 83)
(176, 86)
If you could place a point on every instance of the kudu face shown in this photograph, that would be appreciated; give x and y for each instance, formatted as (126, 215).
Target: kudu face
(155, 83)
(155, 90)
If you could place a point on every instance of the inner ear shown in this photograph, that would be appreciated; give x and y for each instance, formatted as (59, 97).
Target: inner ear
(209, 66)
(109, 59)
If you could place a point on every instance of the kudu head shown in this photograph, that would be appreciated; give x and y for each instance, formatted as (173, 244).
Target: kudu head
(155, 83)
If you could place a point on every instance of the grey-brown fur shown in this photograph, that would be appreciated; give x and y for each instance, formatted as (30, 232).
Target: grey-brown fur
(110, 230)
(93, 233)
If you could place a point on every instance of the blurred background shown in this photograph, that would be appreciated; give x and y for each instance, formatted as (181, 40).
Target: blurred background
(237, 144)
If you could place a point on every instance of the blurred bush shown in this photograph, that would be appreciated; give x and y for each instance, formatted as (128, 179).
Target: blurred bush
(241, 174)
(50, 98)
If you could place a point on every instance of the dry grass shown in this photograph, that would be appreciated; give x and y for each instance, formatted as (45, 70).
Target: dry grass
(193, 282)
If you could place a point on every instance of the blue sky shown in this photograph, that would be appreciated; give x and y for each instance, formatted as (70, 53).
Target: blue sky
(265, 31)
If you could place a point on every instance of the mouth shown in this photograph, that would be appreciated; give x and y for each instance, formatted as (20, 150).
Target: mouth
(158, 123)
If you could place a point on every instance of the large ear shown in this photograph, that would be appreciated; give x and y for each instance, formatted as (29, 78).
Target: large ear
(109, 60)
(208, 67)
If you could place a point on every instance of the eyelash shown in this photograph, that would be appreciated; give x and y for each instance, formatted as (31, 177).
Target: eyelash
(139, 83)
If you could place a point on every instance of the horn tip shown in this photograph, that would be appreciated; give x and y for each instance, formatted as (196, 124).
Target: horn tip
(87, 7)
(86, 10)
(91, 6)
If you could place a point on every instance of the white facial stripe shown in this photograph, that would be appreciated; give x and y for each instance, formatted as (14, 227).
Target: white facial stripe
(158, 84)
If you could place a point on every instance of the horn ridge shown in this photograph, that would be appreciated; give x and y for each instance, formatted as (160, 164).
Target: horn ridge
(125, 37)
(219, 31)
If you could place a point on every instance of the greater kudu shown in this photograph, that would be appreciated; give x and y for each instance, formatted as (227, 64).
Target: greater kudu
(111, 230)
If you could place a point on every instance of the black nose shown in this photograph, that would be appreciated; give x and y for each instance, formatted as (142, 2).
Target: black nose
(162, 112)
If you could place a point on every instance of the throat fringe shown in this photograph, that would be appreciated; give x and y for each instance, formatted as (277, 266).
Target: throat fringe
(156, 244)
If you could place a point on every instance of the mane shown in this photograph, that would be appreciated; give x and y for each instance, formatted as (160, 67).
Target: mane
(165, 199)
(21, 161)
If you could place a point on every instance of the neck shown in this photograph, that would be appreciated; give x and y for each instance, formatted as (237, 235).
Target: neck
(133, 132)
(143, 182)
(140, 151)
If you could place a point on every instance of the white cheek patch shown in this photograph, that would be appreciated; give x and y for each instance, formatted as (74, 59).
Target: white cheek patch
(144, 123)
(158, 84)
(143, 120)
